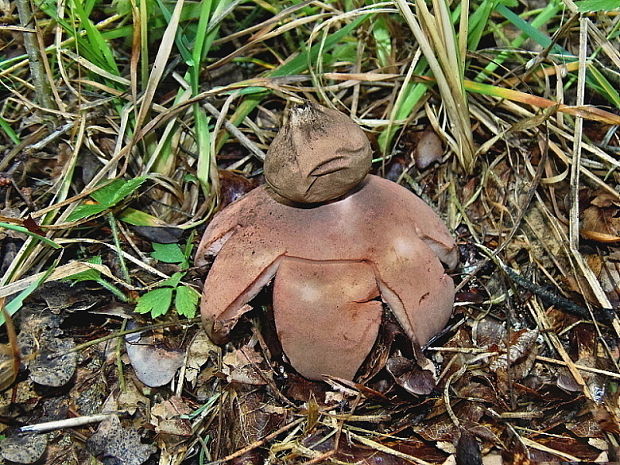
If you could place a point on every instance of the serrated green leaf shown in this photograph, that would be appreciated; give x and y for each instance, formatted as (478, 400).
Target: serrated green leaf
(107, 196)
(117, 190)
(83, 211)
(168, 253)
(587, 6)
(172, 281)
(186, 301)
(128, 188)
(156, 301)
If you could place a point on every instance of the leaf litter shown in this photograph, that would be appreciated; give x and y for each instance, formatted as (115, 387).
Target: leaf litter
(527, 369)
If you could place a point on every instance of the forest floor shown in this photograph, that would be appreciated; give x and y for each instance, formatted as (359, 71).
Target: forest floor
(125, 126)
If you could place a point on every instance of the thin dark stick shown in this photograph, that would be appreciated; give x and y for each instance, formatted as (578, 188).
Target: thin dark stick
(606, 315)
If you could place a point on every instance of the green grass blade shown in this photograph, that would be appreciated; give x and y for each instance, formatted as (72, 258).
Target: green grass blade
(8, 130)
(117, 33)
(21, 229)
(201, 32)
(181, 41)
(408, 98)
(300, 62)
(478, 23)
(294, 66)
(221, 10)
(81, 43)
(96, 39)
(590, 6)
(606, 87)
(383, 40)
(140, 218)
(545, 15)
(14, 305)
(203, 139)
(594, 79)
(531, 31)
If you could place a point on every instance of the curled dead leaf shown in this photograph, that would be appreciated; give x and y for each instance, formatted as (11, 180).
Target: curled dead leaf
(243, 366)
(154, 364)
(166, 417)
(428, 150)
(410, 376)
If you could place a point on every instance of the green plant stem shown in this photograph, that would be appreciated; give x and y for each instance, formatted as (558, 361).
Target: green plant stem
(37, 70)
(117, 245)
(113, 289)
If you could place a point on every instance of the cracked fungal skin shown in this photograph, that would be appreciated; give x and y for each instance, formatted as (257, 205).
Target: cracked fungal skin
(337, 241)
(318, 156)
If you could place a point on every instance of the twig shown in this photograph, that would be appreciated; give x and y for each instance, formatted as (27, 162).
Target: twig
(37, 70)
(487, 353)
(9, 368)
(88, 344)
(606, 314)
(119, 361)
(587, 369)
(243, 140)
(67, 423)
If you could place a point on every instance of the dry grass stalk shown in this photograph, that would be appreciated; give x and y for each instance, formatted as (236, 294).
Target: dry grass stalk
(436, 38)
(37, 69)
(9, 366)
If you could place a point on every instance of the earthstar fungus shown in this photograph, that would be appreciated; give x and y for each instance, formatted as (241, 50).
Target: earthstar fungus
(338, 242)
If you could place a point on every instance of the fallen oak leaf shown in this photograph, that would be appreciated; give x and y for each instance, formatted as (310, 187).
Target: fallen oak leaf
(153, 365)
